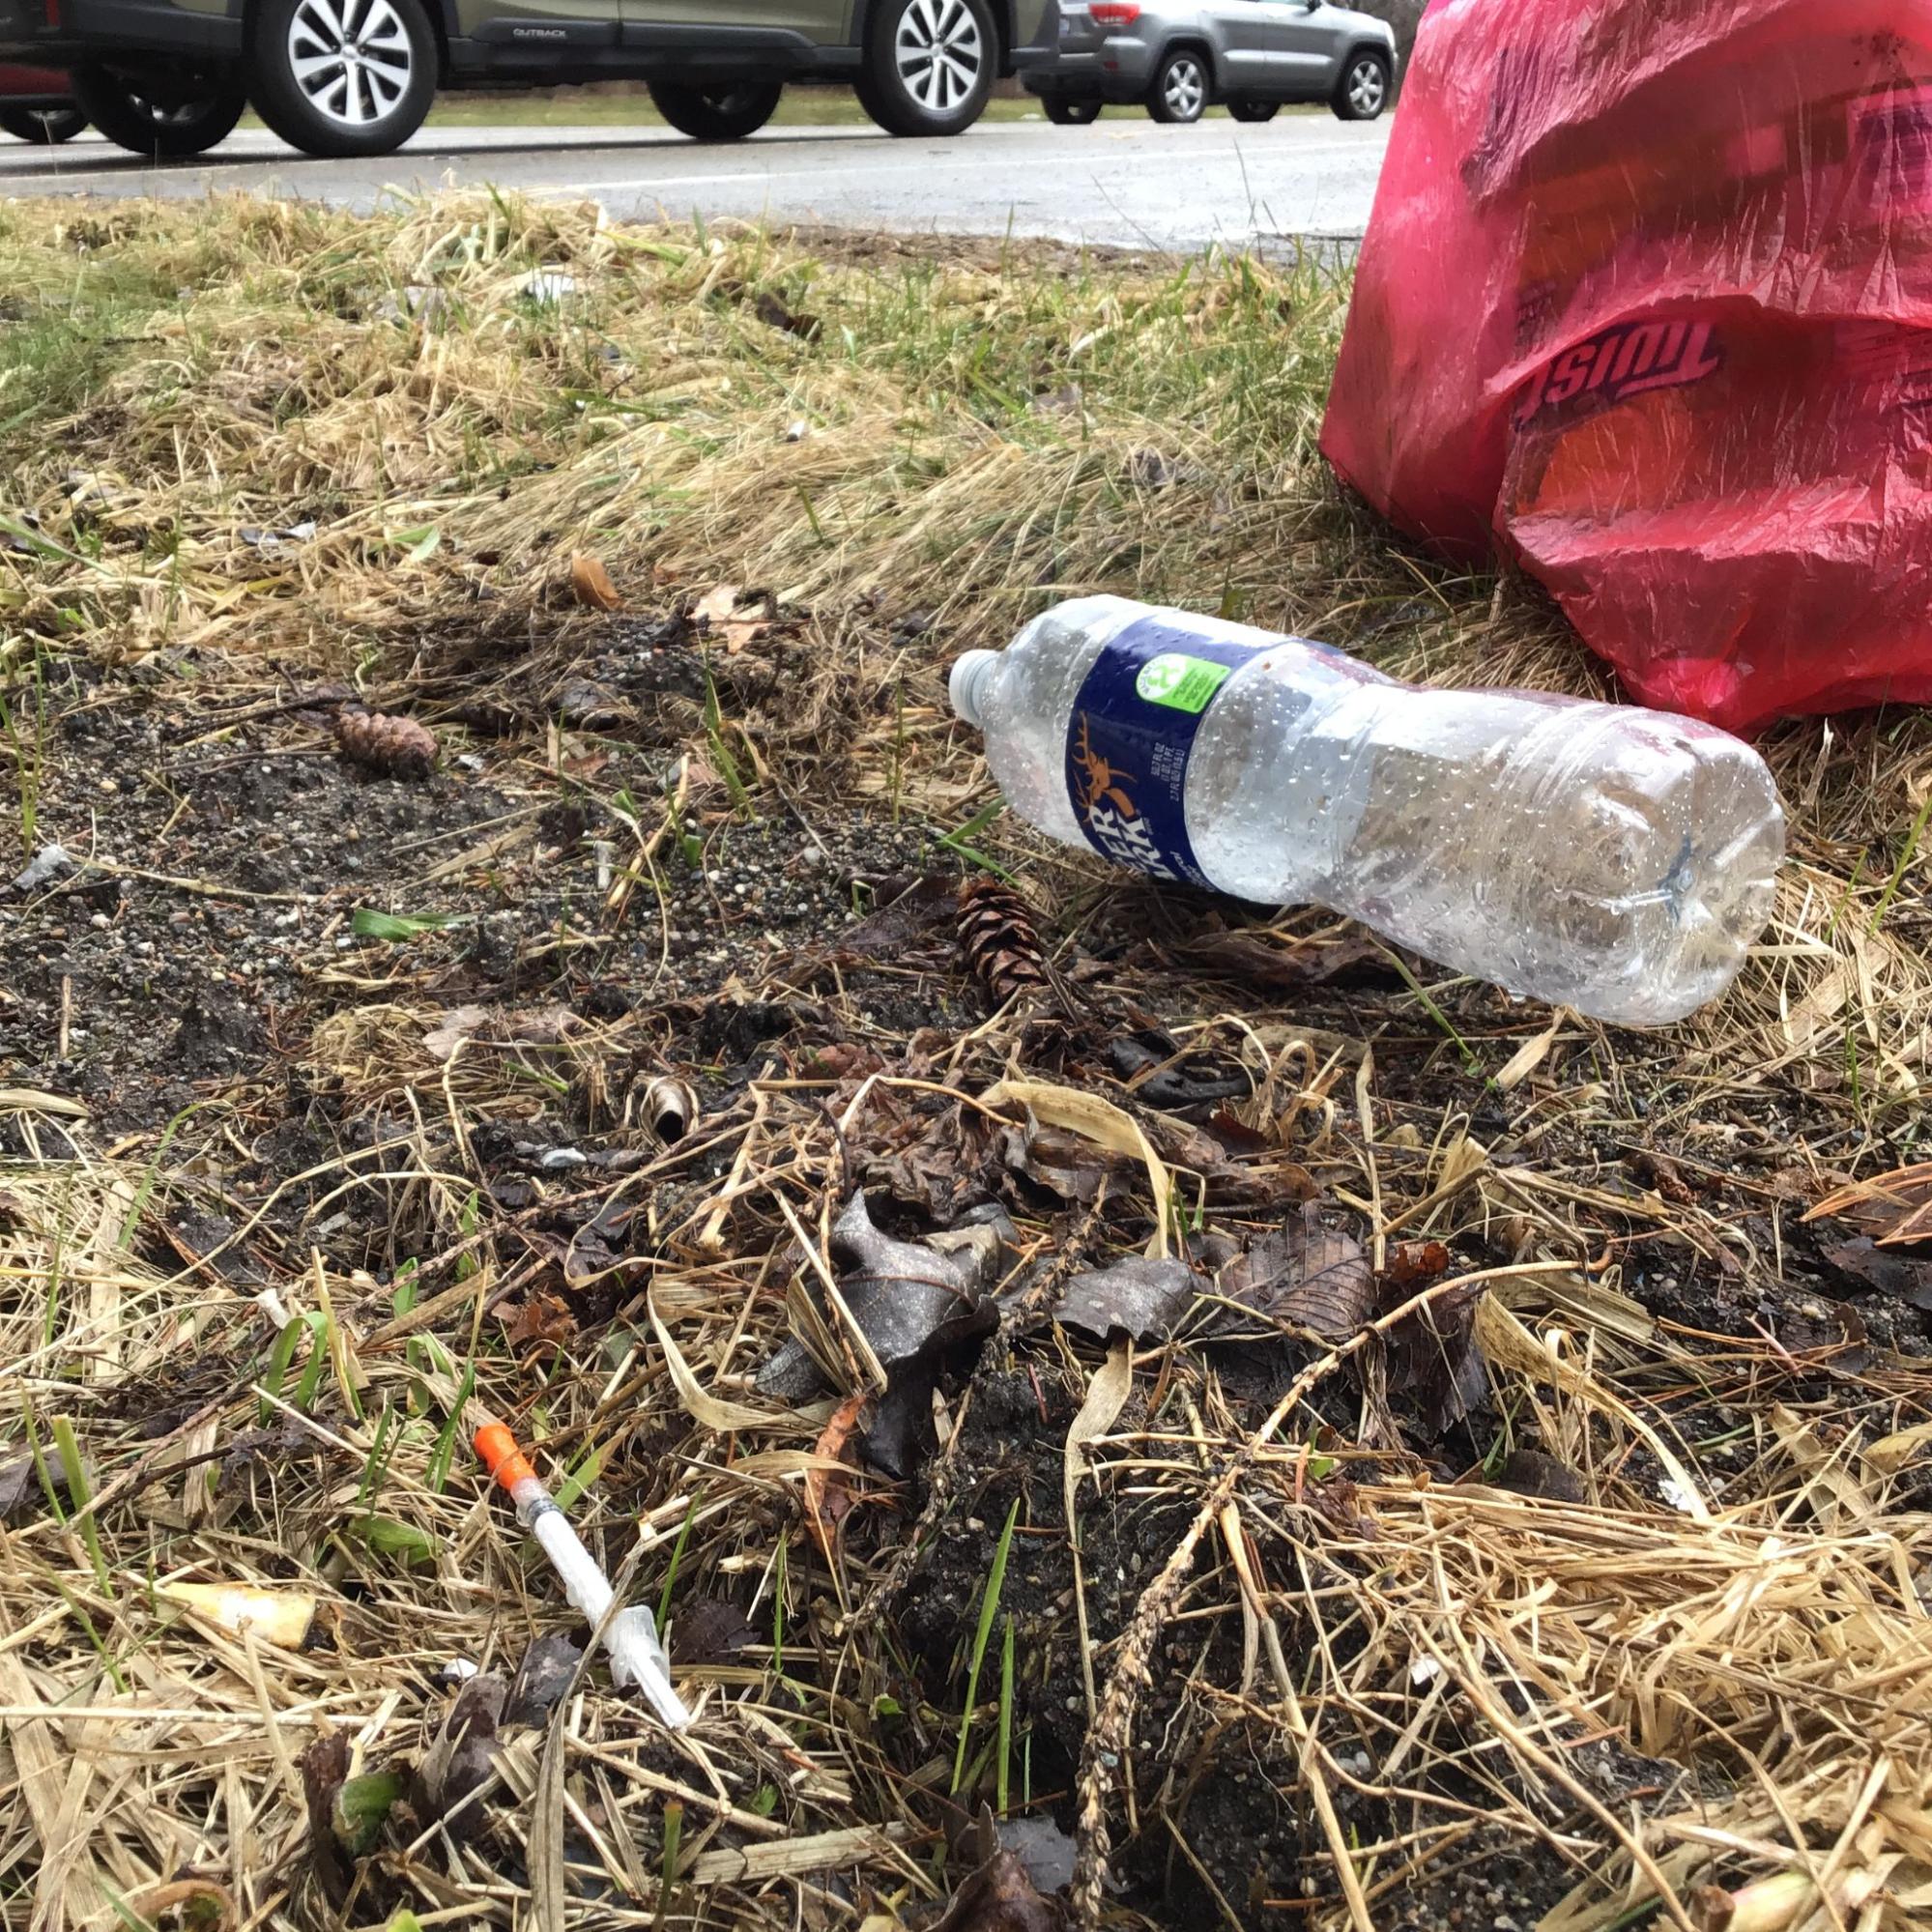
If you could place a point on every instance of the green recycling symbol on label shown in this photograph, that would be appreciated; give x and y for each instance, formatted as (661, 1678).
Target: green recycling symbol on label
(1179, 681)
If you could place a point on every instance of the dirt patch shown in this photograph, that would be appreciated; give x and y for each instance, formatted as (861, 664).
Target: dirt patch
(638, 858)
(204, 921)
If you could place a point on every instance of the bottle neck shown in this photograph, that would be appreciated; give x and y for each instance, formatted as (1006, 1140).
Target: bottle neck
(968, 684)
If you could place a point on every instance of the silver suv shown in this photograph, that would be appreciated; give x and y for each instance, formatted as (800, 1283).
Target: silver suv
(1177, 59)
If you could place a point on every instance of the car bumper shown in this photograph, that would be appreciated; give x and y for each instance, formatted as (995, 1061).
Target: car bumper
(93, 29)
(32, 87)
(1121, 68)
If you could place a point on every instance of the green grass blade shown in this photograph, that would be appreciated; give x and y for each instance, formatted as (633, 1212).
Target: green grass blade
(989, 1609)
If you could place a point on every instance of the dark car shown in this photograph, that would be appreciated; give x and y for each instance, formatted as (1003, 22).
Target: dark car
(357, 76)
(36, 105)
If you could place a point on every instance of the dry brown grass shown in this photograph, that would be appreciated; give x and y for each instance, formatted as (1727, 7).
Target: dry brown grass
(1447, 1658)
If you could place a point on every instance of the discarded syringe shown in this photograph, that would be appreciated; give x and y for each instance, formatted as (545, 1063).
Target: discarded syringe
(630, 1636)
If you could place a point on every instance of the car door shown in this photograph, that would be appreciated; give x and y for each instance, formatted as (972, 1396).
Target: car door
(722, 26)
(1248, 44)
(1312, 33)
(537, 33)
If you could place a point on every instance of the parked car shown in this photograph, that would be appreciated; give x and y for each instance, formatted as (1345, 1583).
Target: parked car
(37, 105)
(1179, 59)
(357, 76)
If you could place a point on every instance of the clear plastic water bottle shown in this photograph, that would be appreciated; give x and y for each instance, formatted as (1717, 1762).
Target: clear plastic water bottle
(1615, 860)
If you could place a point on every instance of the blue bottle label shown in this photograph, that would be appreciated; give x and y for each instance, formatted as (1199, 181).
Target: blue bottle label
(1132, 734)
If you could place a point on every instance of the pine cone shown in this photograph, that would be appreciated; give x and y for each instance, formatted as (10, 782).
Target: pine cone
(399, 747)
(998, 939)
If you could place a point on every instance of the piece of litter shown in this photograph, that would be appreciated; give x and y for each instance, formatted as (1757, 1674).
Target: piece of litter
(1677, 1495)
(548, 285)
(630, 1635)
(416, 303)
(272, 540)
(49, 862)
(458, 1670)
(560, 1159)
(1423, 1670)
(276, 1616)
(670, 1106)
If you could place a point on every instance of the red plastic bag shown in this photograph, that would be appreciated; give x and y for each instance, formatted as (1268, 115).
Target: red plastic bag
(1647, 297)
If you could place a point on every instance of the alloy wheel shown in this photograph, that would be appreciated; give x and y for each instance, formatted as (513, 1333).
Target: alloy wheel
(938, 53)
(1184, 89)
(1365, 88)
(351, 58)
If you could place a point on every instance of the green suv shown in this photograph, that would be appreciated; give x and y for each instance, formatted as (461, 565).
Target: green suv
(342, 77)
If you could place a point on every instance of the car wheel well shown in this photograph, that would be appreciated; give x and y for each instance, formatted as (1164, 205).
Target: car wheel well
(1193, 44)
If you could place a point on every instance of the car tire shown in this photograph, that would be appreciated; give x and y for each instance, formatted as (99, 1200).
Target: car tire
(727, 113)
(1180, 90)
(43, 127)
(1253, 110)
(929, 65)
(1069, 110)
(1363, 91)
(339, 78)
(165, 116)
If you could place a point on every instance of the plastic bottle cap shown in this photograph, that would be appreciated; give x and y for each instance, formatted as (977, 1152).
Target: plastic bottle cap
(968, 675)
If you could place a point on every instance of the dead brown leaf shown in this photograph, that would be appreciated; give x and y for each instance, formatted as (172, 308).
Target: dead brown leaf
(907, 1296)
(841, 1060)
(828, 1497)
(1305, 1276)
(20, 1484)
(541, 1026)
(591, 583)
(922, 910)
(1905, 1276)
(1414, 1263)
(462, 1758)
(775, 313)
(458, 1025)
(718, 609)
(1892, 1208)
(548, 1669)
(1141, 1296)
(999, 1897)
(1261, 959)
(324, 1768)
(1529, 1472)
(709, 1630)
(1661, 1173)
(543, 1320)
(1433, 1360)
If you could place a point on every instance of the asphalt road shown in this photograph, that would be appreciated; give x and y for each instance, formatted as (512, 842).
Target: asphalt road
(1125, 182)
